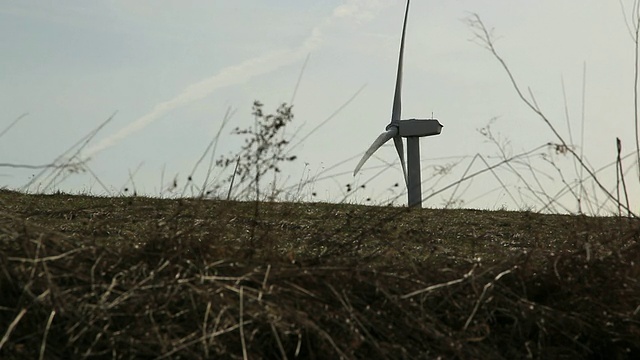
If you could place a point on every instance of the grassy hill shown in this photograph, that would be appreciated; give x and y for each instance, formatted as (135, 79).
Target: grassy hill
(125, 277)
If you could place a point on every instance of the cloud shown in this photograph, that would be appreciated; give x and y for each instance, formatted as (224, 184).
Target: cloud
(360, 11)
(350, 10)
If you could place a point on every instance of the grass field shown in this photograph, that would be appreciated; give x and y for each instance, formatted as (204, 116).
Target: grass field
(134, 277)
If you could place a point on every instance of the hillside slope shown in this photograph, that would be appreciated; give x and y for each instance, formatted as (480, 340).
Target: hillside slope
(139, 277)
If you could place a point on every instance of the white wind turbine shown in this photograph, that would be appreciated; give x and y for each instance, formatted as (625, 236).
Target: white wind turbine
(412, 129)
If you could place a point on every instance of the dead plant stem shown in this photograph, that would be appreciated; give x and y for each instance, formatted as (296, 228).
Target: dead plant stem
(12, 326)
(242, 340)
(46, 333)
(486, 39)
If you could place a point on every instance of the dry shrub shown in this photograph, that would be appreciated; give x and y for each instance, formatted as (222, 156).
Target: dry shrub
(179, 293)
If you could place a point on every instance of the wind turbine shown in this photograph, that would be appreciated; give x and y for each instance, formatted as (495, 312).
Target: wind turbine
(412, 129)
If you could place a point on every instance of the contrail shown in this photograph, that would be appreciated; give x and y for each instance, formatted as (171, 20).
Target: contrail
(351, 10)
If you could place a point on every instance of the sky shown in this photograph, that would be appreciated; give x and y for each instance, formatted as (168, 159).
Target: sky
(167, 72)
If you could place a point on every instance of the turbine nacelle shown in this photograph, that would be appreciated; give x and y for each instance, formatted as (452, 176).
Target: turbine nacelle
(419, 127)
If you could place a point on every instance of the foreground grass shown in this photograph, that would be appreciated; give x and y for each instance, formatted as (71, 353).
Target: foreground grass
(124, 277)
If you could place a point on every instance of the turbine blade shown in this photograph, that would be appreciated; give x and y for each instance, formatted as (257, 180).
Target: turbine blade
(382, 138)
(397, 140)
(397, 101)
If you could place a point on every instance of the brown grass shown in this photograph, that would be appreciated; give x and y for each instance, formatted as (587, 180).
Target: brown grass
(136, 277)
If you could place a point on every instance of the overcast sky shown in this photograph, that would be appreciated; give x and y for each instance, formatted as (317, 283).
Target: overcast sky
(172, 69)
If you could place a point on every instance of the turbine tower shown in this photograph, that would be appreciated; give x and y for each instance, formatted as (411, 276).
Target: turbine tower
(412, 129)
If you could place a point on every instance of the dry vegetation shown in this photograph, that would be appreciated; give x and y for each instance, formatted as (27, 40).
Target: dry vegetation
(134, 277)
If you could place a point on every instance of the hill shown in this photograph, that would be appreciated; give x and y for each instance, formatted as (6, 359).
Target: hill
(95, 277)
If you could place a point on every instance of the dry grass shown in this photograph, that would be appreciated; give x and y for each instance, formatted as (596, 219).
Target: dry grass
(137, 277)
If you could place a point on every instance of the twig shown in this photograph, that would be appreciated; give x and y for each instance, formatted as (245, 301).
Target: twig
(624, 184)
(302, 290)
(205, 343)
(131, 180)
(484, 291)
(12, 124)
(567, 118)
(280, 347)
(213, 144)
(46, 333)
(162, 179)
(626, 21)
(489, 168)
(295, 89)
(242, 341)
(233, 177)
(44, 166)
(636, 71)
(325, 121)
(13, 324)
(485, 37)
(80, 144)
(299, 344)
(438, 286)
(504, 187)
(584, 94)
(47, 258)
(104, 187)
(195, 341)
(352, 313)
(328, 337)
(264, 281)
(35, 258)
(619, 146)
